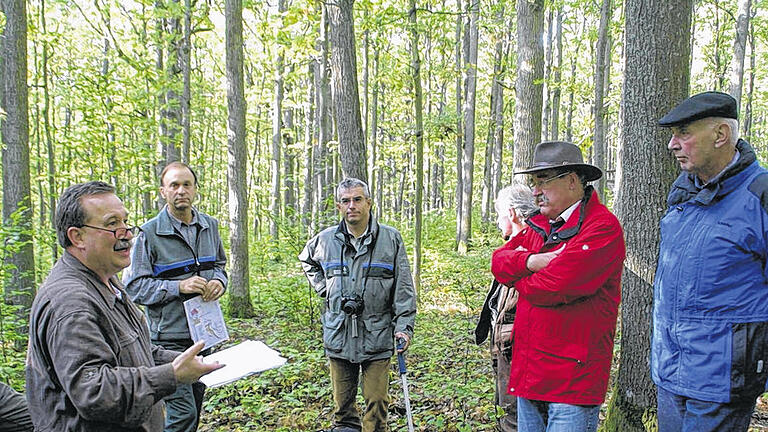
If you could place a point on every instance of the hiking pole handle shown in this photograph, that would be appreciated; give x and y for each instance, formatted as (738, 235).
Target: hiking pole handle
(401, 357)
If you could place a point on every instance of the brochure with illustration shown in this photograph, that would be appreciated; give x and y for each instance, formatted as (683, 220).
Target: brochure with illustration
(240, 361)
(206, 322)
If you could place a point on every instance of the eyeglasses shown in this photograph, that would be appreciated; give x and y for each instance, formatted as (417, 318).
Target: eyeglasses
(120, 233)
(345, 201)
(538, 183)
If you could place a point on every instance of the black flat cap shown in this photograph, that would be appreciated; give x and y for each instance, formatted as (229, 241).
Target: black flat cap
(561, 155)
(699, 106)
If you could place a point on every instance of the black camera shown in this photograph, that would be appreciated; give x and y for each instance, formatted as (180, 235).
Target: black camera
(352, 305)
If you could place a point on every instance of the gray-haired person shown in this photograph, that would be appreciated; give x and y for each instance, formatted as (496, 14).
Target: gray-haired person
(514, 204)
(360, 268)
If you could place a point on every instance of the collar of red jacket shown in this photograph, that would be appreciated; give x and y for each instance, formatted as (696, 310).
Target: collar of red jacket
(540, 223)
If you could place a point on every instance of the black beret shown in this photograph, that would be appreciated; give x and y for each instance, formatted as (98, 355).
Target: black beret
(699, 106)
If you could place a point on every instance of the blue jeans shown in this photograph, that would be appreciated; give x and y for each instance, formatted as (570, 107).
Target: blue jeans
(540, 416)
(682, 414)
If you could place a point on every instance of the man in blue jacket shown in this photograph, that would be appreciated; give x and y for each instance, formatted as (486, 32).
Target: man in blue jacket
(710, 315)
(178, 255)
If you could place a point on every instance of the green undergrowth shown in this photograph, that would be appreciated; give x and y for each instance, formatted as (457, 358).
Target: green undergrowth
(450, 378)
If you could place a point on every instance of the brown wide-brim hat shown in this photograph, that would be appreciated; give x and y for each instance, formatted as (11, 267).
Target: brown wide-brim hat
(559, 155)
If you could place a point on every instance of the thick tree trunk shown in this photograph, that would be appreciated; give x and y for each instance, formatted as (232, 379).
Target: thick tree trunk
(239, 292)
(655, 80)
(19, 258)
(468, 151)
(736, 75)
(530, 74)
(346, 100)
(602, 59)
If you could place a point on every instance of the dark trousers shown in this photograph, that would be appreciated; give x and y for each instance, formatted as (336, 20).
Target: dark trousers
(682, 414)
(14, 416)
(507, 402)
(183, 407)
(375, 385)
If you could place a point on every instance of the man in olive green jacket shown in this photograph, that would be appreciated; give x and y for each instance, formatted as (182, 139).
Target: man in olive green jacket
(360, 268)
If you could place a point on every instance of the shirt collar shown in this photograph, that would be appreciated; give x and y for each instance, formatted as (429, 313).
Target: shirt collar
(566, 214)
(177, 223)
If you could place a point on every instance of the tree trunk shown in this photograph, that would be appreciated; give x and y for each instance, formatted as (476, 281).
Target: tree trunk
(417, 205)
(495, 122)
(309, 127)
(654, 82)
(554, 134)
(277, 127)
(185, 59)
(459, 129)
(530, 74)
(49, 136)
(602, 59)
(547, 76)
(468, 153)
(736, 76)
(171, 109)
(289, 162)
(239, 292)
(322, 84)
(747, 118)
(346, 100)
(373, 130)
(19, 256)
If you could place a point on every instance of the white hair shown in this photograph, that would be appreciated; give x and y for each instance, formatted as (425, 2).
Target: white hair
(518, 197)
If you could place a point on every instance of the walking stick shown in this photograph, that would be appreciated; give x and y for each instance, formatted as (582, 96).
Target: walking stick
(404, 380)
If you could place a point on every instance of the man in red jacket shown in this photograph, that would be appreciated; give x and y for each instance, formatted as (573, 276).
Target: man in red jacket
(567, 271)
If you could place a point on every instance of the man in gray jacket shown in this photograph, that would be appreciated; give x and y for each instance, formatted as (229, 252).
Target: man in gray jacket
(178, 255)
(90, 365)
(360, 267)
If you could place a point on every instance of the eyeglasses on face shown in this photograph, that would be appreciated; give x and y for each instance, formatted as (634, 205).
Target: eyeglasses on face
(119, 233)
(534, 182)
(357, 200)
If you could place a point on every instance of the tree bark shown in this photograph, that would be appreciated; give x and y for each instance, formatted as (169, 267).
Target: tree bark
(309, 127)
(19, 257)
(459, 129)
(468, 151)
(655, 80)
(747, 118)
(530, 74)
(346, 100)
(322, 187)
(555, 119)
(171, 116)
(277, 127)
(417, 205)
(185, 59)
(239, 292)
(48, 135)
(547, 76)
(602, 58)
(736, 76)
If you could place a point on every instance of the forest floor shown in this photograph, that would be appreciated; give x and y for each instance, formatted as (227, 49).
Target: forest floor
(450, 378)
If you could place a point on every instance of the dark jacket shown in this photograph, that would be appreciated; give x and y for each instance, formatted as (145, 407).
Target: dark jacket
(90, 365)
(160, 259)
(710, 309)
(379, 273)
(566, 312)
